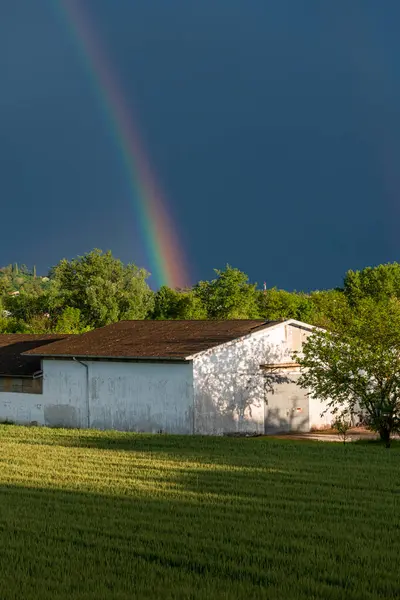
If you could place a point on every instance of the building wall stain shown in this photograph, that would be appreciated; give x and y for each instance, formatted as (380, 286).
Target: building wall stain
(61, 415)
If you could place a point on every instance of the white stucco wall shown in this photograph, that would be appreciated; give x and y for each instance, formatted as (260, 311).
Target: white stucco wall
(128, 396)
(229, 385)
(64, 394)
(148, 397)
(319, 414)
(21, 408)
(231, 394)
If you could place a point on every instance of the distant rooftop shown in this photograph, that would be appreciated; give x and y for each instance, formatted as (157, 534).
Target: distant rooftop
(12, 347)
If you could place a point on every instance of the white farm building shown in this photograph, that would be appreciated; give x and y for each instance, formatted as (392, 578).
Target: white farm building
(202, 377)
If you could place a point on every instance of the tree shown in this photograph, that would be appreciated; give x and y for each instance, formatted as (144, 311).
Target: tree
(102, 288)
(174, 304)
(379, 283)
(228, 296)
(191, 307)
(319, 308)
(12, 325)
(277, 304)
(356, 366)
(38, 324)
(342, 425)
(70, 321)
(5, 285)
(8, 270)
(27, 305)
(329, 306)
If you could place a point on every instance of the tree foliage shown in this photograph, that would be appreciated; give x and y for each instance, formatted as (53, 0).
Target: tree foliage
(102, 288)
(328, 307)
(277, 304)
(355, 366)
(352, 360)
(27, 304)
(380, 282)
(70, 321)
(229, 295)
(174, 304)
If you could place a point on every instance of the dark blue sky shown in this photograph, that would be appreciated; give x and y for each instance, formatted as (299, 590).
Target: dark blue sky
(273, 127)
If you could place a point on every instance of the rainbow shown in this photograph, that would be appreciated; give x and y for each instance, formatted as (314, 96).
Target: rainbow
(160, 236)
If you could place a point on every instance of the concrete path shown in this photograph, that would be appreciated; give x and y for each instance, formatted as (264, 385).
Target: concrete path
(329, 436)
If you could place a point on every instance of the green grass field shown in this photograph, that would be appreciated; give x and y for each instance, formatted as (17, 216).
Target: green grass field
(110, 515)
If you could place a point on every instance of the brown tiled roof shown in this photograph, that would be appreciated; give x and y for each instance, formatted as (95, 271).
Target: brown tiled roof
(151, 339)
(13, 345)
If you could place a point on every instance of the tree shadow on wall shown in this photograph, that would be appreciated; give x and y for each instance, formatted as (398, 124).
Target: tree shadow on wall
(276, 423)
(231, 388)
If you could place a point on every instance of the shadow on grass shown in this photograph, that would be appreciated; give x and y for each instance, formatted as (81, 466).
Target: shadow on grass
(137, 442)
(64, 544)
(59, 543)
(179, 445)
(67, 544)
(394, 444)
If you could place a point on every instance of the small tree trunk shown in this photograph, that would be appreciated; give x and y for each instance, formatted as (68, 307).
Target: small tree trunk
(385, 436)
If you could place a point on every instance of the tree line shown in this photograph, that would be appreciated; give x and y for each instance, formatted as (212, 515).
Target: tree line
(352, 360)
(97, 289)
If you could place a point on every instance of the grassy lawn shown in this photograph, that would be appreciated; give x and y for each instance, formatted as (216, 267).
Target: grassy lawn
(109, 515)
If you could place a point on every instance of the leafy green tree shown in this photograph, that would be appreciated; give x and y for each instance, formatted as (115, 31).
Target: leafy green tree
(329, 307)
(26, 306)
(321, 308)
(12, 325)
(379, 283)
(342, 425)
(39, 323)
(33, 287)
(102, 288)
(7, 270)
(70, 321)
(229, 295)
(4, 285)
(174, 304)
(3, 315)
(277, 304)
(355, 366)
(191, 307)
(3, 323)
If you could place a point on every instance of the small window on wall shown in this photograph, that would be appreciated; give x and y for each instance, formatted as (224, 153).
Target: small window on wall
(21, 385)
